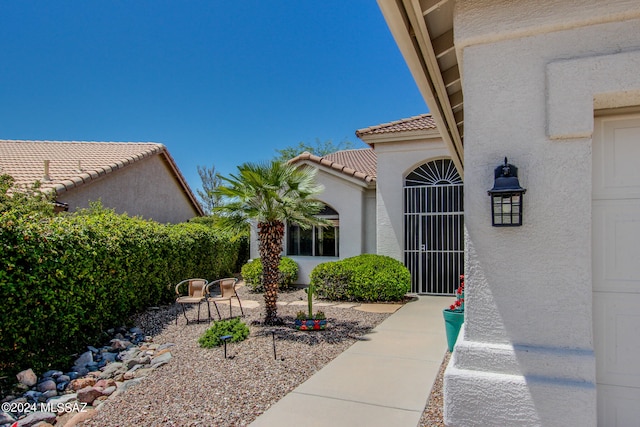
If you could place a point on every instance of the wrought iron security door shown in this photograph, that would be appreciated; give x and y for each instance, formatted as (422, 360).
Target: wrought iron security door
(434, 227)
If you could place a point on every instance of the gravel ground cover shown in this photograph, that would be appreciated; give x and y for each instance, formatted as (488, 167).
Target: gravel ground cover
(199, 387)
(432, 415)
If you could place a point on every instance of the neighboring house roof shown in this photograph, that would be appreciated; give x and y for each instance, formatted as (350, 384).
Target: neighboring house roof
(415, 123)
(359, 163)
(73, 163)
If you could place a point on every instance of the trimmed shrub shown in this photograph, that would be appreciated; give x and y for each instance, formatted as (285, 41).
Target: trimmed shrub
(238, 330)
(64, 280)
(364, 277)
(252, 274)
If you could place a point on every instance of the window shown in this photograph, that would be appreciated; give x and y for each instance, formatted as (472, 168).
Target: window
(315, 241)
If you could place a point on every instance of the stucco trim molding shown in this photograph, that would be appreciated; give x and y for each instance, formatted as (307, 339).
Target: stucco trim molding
(575, 87)
(554, 364)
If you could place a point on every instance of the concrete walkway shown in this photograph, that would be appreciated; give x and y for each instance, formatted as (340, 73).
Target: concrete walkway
(384, 380)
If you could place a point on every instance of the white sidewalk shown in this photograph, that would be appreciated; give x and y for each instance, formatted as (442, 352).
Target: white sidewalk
(383, 381)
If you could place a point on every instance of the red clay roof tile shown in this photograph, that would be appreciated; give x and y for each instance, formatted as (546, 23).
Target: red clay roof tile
(359, 163)
(421, 122)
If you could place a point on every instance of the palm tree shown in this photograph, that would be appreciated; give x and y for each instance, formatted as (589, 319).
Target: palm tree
(270, 194)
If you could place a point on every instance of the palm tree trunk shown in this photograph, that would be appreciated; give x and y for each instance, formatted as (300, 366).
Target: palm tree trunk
(270, 236)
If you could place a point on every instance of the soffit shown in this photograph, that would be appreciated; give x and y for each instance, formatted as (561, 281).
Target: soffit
(423, 30)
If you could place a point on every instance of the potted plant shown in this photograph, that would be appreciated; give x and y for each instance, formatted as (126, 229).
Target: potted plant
(307, 321)
(454, 316)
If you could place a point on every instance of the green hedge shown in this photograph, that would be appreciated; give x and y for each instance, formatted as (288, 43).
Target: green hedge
(252, 274)
(362, 278)
(63, 280)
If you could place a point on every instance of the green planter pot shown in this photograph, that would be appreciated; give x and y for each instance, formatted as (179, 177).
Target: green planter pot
(453, 322)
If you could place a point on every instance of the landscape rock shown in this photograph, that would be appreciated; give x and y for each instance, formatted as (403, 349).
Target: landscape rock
(46, 385)
(144, 360)
(6, 418)
(63, 379)
(81, 383)
(52, 374)
(88, 395)
(129, 354)
(35, 417)
(120, 344)
(165, 346)
(143, 372)
(80, 417)
(65, 398)
(27, 377)
(33, 394)
(131, 363)
(49, 394)
(162, 359)
(84, 359)
(109, 390)
(22, 387)
(111, 370)
(104, 383)
(96, 376)
(109, 357)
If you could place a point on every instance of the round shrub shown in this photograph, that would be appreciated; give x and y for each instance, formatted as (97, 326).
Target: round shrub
(252, 274)
(238, 330)
(364, 277)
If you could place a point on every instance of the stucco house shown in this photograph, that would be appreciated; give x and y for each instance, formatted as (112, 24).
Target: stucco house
(141, 179)
(552, 331)
(379, 200)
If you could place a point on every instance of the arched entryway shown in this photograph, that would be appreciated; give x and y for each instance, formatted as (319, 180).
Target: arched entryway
(434, 227)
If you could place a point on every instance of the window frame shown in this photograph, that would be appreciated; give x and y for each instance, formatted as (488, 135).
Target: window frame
(315, 235)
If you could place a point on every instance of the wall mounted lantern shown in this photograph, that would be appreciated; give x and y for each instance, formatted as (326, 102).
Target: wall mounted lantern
(506, 197)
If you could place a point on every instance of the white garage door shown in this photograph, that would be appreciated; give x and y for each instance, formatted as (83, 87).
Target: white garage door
(616, 268)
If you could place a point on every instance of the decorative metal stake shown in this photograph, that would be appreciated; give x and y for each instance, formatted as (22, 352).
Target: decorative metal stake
(224, 339)
(273, 335)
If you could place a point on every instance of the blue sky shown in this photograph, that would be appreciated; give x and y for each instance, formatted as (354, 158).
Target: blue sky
(218, 82)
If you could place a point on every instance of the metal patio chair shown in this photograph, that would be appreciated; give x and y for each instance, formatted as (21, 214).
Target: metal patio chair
(196, 294)
(227, 293)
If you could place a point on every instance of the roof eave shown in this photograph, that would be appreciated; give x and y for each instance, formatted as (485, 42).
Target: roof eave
(340, 171)
(183, 182)
(391, 137)
(407, 20)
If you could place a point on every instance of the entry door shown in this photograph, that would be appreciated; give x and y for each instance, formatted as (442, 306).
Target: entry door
(616, 268)
(434, 228)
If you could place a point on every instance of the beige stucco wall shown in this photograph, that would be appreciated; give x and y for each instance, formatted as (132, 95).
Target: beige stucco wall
(349, 197)
(353, 200)
(396, 159)
(530, 80)
(146, 188)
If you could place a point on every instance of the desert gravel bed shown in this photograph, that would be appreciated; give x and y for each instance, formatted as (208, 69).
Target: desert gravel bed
(198, 387)
(432, 415)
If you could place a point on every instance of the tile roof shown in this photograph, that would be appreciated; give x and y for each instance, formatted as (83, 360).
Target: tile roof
(73, 163)
(415, 123)
(359, 163)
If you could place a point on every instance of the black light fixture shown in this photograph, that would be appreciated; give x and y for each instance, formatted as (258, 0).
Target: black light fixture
(506, 197)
